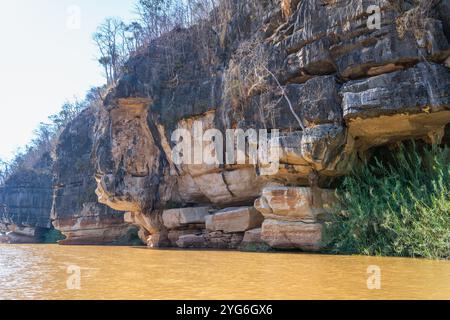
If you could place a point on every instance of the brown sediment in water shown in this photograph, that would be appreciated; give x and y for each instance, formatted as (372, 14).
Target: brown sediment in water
(41, 272)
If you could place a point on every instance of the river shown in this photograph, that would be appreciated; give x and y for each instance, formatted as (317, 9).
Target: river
(61, 272)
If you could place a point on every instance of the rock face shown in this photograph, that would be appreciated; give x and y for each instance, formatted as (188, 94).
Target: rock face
(196, 228)
(253, 241)
(25, 204)
(234, 220)
(76, 212)
(392, 106)
(177, 218)
(292, 235)
(331, 82)
(294, 216)
(62, 192)
(297, 204)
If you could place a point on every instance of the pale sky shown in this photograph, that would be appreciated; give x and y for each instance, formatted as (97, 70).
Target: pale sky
(47, 57)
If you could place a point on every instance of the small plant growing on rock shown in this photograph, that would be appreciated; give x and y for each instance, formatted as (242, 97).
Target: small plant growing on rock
(395, 208)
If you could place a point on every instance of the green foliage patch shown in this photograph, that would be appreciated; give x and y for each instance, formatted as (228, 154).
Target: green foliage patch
(399, 207)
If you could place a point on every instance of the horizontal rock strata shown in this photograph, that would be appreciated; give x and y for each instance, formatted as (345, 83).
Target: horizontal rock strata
(233, 220)
(294, 217)
(292, 235)
(333, 86)
(25, 204)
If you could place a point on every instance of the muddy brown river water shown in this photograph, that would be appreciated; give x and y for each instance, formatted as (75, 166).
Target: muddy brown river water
(59, 272)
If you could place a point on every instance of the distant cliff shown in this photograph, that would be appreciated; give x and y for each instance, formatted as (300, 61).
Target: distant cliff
(60, 194)
(26, 200)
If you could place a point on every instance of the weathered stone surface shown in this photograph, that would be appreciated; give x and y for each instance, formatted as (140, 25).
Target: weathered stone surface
(295, 204)
(209, 222)
(252, 237)
(91, 226)
(233, 220)
(191, 241)
(176, 218)
(353, 87)
(4, 238)
(147, 226)
(442, 12)
(253, 242)
(315, 102)
(290, 148)
(131, 143)
(327, 149)
(292, 235)
(230, 187)
(392, 51)
(158, 240)
(75, 211)
(324, 148)
(426, 86)
(25, 204)
(202, 239)
(342, 41)
(313, 59)
(174, 235)
(143, 235)
(221, 240)
(413, 103)
(20, 237)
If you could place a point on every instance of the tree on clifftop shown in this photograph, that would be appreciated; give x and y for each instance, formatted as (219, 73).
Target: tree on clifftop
(107, 39)
(4, 171)
(116, 41)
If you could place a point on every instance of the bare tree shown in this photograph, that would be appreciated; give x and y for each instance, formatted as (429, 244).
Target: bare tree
(4, 171)
(116, 41)
(133, 37)
(109, 41)
(37, 154)
(69, 111)
(161, 16)
(155, 15)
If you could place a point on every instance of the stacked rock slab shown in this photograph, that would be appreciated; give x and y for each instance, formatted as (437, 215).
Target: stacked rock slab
(294, 217)
(226, 228)
(204, 227)
(234, 220)
(186, 226)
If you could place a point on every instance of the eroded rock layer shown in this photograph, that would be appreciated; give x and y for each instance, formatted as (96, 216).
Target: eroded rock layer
(25, 204)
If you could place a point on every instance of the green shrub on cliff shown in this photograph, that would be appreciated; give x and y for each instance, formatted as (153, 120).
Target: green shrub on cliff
(399, 207)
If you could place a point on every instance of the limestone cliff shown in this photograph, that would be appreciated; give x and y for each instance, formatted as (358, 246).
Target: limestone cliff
(76, 212)
(316, 70)
(25, 204)
(60, 194)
